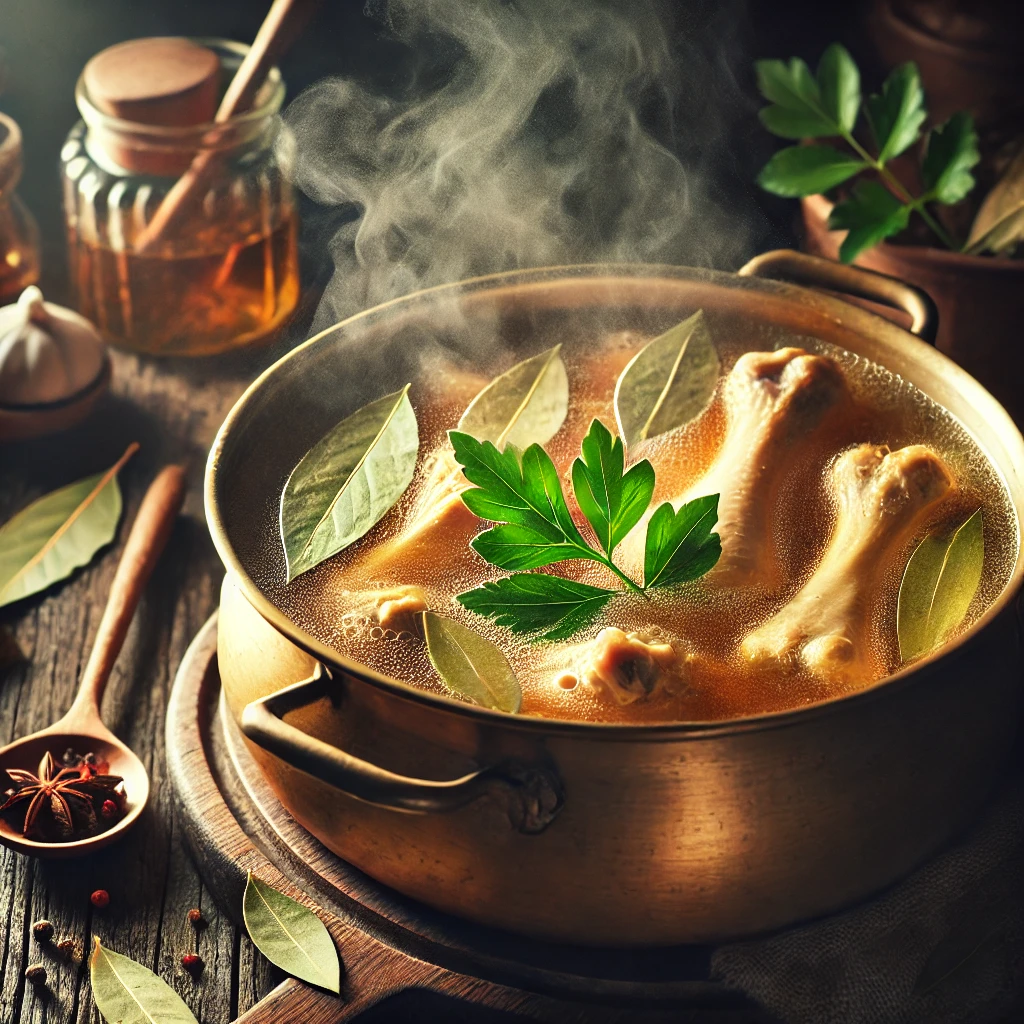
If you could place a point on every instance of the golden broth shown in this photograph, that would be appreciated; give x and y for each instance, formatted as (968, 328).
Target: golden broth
(330, 601)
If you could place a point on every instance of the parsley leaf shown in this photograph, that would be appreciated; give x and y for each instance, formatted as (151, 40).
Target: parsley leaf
(952, 152)
(796, 111)
(680, 545)
(806, 170)
(896, 115)
(613, 502)
(523, 491)
(549, 607)
(839, 85)
(523, 494)
(870, 214)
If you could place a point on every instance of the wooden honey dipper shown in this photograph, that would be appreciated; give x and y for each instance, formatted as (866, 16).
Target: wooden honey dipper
(283, 23)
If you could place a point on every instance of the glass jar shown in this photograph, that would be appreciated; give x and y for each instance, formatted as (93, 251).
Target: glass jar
(222, 272)
(19, 235)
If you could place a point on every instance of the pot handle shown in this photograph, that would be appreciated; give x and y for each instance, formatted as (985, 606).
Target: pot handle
(818, 272)
(532, 796)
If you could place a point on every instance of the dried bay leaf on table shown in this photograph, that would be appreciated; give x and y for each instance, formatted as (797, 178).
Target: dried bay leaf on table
(59, 532)
(348, 480)
(525, 405)
(470, 665)
(940, 581)
(128, 993)
(290, 935)
(668, 382)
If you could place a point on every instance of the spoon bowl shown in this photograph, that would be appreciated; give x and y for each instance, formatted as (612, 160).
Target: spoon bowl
(82, 729)
(29, 751)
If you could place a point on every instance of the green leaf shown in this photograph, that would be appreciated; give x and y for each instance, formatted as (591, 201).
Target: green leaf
(938, 585)
(797, 104)
(871, 214)
(128, 993)
(680, 545)
(999, 225)
(470, 665)
(612, 501)
(807, 170)
(951, 153)
(525, 405)
(348, 480)
(519, 547)
(59, 532)
(290, 935)
(839, 85)
(523, 490)
(548, 607)
(668, 382)
(896, 115)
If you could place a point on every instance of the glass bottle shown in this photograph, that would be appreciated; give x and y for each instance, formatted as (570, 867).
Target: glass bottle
(224, 273)
(19, 235)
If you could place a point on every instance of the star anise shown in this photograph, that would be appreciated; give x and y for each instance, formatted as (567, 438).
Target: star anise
(60, 802)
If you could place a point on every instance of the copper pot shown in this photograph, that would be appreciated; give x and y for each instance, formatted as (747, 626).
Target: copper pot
(607, 834)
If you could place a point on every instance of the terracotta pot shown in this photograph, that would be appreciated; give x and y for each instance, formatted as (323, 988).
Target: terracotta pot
(971, 57)
(980, 301)
(589, 833)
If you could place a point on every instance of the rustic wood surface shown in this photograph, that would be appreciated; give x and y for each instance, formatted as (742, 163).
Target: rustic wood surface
(173, 409)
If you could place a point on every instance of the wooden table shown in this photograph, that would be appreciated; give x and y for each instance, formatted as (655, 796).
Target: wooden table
(173, 409)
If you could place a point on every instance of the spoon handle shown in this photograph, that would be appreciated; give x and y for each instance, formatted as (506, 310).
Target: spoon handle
(146, 541)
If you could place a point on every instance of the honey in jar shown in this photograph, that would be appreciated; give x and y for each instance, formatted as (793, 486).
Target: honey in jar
(19, 236)
(223, 272)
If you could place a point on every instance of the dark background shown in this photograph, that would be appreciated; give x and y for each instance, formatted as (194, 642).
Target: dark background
(45, 43)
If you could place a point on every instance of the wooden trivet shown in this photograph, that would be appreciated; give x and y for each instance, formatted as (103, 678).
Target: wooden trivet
(425, 964)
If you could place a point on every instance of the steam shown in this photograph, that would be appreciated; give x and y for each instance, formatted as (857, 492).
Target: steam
(552, 139)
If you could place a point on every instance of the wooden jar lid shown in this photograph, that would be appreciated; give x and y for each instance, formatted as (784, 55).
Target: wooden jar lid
(157, 81)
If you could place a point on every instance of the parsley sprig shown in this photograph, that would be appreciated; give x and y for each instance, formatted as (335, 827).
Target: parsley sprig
(829, 105)
(522, 493)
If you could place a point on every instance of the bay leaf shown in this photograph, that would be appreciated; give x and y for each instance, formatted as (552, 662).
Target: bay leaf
(61, 531)
(525, 405)
(940, 581)
(668, 382)
(348, 480)
(470, 665)
(128, 993)
(999, 224)
(290, 935)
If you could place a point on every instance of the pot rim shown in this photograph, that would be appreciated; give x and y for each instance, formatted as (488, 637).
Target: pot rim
(917, 672)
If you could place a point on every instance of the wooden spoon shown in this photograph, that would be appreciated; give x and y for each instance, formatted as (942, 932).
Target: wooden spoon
(284, 22)
(81, 728)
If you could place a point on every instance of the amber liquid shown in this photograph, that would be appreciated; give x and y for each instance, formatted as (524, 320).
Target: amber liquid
(329, 600)
(225, 293)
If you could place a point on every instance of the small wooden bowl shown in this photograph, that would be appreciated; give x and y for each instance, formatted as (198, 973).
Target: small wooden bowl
(21, 422)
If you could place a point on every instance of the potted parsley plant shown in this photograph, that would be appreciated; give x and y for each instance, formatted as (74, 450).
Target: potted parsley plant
(879, 190)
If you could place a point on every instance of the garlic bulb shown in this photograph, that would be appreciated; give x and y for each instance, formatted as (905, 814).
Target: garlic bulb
(47, 353)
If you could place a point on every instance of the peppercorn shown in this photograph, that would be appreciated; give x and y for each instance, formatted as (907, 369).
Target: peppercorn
(36, 974)
(42, 931)
(195, 917)
(69, 948)
(193, 963)
(100, 899)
